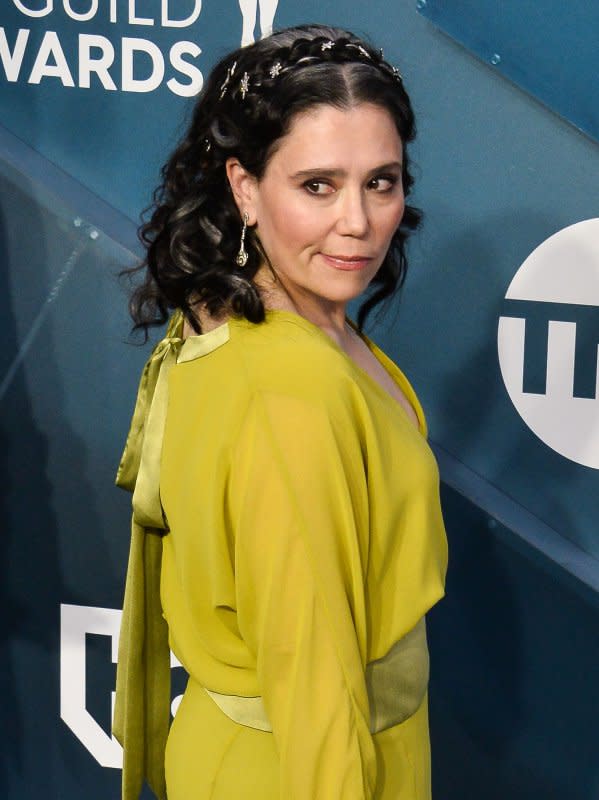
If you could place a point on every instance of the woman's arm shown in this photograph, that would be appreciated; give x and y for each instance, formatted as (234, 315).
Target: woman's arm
(297, 504)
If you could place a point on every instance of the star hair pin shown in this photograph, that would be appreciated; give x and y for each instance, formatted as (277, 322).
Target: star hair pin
(275, 70)
(327, 46)
(244, 86)
(396, 73)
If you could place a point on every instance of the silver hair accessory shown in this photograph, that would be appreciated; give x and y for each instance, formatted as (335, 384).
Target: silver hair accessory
(277, 68)
(207, 144)
(242, 257)
(244, 85)
(361, 50)
(225, 83)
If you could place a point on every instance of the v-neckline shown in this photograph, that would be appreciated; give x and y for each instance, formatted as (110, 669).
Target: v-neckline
(387, 364)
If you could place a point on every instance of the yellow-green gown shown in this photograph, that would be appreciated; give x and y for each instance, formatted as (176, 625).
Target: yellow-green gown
(304, 540)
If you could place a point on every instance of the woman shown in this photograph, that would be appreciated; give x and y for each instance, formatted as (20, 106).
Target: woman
(287, 536)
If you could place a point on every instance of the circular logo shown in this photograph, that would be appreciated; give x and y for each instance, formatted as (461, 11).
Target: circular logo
(548, 342)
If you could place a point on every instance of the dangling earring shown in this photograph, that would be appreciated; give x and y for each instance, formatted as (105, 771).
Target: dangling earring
(242, 256)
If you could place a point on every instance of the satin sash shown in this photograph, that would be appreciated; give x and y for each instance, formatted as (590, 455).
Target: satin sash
(396, 685)
(142, 705)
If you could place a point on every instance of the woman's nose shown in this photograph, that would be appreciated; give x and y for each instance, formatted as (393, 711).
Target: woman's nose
(353, 215)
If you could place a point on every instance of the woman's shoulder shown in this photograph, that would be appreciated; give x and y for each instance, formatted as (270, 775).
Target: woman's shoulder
(285, 354)
(289, 354)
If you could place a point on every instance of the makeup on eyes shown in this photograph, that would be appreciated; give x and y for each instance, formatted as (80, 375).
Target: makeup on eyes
(319, 180)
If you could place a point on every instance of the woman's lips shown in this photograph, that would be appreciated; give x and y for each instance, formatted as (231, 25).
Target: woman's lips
(346, 262)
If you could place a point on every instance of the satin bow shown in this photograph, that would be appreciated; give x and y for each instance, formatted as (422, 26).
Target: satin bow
(139, 469)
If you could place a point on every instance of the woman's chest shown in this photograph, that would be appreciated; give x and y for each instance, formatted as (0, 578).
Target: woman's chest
(368, 363)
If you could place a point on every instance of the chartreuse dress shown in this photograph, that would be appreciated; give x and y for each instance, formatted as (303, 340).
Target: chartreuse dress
(288, 539)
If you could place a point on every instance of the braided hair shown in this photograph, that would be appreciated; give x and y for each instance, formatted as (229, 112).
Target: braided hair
(248, 103)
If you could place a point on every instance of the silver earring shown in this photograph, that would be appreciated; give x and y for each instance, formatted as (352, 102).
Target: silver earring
(242, 256)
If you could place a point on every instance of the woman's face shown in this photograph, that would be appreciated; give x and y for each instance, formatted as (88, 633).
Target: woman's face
(329, 202)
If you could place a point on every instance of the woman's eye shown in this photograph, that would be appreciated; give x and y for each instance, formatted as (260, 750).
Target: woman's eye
(383, 183)
(318, 187)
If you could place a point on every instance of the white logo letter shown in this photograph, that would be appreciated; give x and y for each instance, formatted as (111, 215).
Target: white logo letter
(134, 20)
(190, 70)
(167, 22)
(81, 16)
(42, 12)
(100, 65)
(153, 81)
(12, 61)
(548, 342)
(60, 69)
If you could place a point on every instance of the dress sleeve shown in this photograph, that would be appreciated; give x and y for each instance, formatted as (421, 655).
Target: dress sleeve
(298, 511)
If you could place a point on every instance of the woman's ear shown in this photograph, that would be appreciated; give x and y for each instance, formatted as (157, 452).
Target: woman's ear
(244, 186)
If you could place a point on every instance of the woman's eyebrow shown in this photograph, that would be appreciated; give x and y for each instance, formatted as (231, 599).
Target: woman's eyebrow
(332, 172)
(325, 172)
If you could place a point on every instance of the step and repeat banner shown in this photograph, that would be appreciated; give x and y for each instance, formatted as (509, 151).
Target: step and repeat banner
(104, 79)
(498, 328)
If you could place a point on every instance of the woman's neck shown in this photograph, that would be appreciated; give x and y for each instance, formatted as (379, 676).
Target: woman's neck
(329, 316)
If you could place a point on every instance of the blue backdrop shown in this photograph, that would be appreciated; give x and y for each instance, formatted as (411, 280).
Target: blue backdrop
(548, 47)
(93, 97)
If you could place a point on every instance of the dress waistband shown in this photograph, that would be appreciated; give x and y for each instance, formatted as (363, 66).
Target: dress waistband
(396, 685)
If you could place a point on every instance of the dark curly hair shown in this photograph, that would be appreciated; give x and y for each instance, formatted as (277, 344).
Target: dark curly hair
(247, 105)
